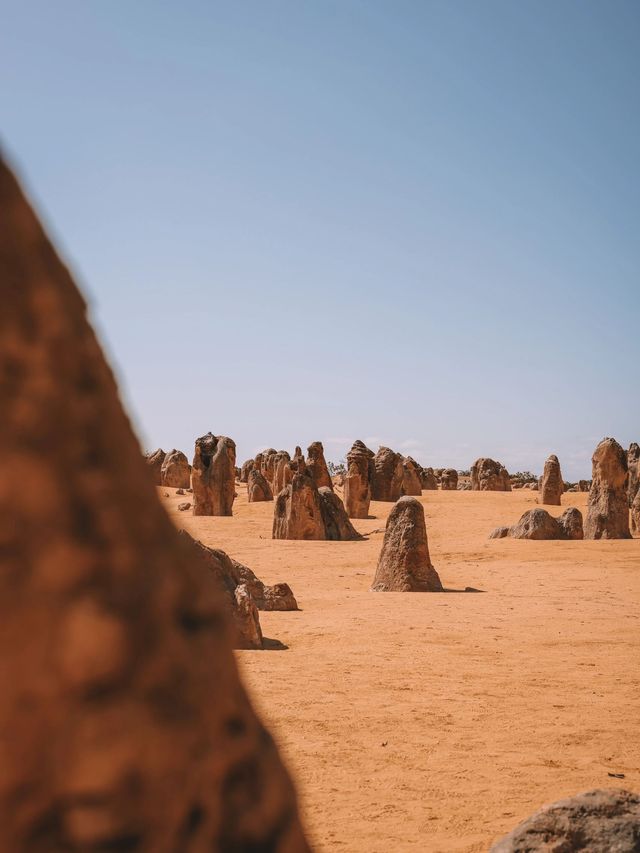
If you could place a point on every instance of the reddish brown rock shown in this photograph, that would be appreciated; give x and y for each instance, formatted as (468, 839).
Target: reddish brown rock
(154, 461)
(404, 564)
(213, 475)
(298, 462)
(297, 510)
(268, 464)
(126, 726)
(633, 466)
(257, 487)
(337, 526)
(411, 481)
(357, 483)
(635, 514)
(176, 471)
(599, 821)
(429, 479)
(449, 480)
(388, 475)
(489, 476)
(244, 470)
(551, 483)
(584, 485)
(282, 471)
(538, 524)
(608, 505)
(317, 466)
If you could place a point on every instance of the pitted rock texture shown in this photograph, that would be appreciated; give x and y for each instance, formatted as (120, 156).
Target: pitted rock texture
(449, 480)
(129, 726)
(357, 482)
(608, 505)
(388, 475)
(337, 526)
(539, 524)
(633, 466)
(297, 512)
(282, 471)
(317, 466)
(154, 461)
(404, 564)
(257, 487)
(411, 480)
(175, 472)
(244, 470)
(487, 475)
(551, 482)
(599, 821)
(213, 475)
(429, 479)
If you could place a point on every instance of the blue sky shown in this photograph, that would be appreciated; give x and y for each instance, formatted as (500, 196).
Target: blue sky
(415, 223)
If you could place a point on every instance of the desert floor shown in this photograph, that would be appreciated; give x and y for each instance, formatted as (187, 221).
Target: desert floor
(436, 722)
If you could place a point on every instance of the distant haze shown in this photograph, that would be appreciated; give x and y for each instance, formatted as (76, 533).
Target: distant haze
(414, 223)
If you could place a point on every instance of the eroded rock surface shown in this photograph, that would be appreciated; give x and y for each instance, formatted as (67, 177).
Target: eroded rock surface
(388, 475)
(337, 526)
(213, 475)
(175, 472)
(282, 471)
(154, 461)
(404, 564)
(539, 524)
(357, 483)
(487, 475)
(317, 466)
(257, 487)
(551, 483)
(297, 510)
(449, 480)
(429, 479)
(129, 726)
(608, 505)
(411, 479)
(599, 821)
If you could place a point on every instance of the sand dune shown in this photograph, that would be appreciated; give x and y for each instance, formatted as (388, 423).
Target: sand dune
(437, 721)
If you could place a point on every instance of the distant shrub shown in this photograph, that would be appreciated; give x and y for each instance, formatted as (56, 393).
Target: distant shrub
(338, 467)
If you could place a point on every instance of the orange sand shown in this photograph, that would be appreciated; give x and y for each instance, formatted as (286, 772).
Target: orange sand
(436, 722)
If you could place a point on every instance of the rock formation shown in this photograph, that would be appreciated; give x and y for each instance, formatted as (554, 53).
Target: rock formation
(489, 476)
(268, 464)
(297, 512)
(337, 526)
(429, 480)
(608, 505)
(584, 485)
(154, 461)
(316, 465)
(551, 483)
(298, 463)
(388, 475)
(230, 574)
(257, 487)
(404, 564)
(282, 471)
(635, 514)
(176, 471)
(599, 821)
(244, 470)
(633, 466)
(538, 524)
(449, 480)
(357, 483)
(126, 725)
(213, 475)
(411, 480)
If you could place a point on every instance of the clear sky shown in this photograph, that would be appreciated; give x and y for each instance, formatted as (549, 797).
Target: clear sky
(414, 223)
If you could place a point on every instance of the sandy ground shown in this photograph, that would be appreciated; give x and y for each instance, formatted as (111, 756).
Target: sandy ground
(436, 722)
